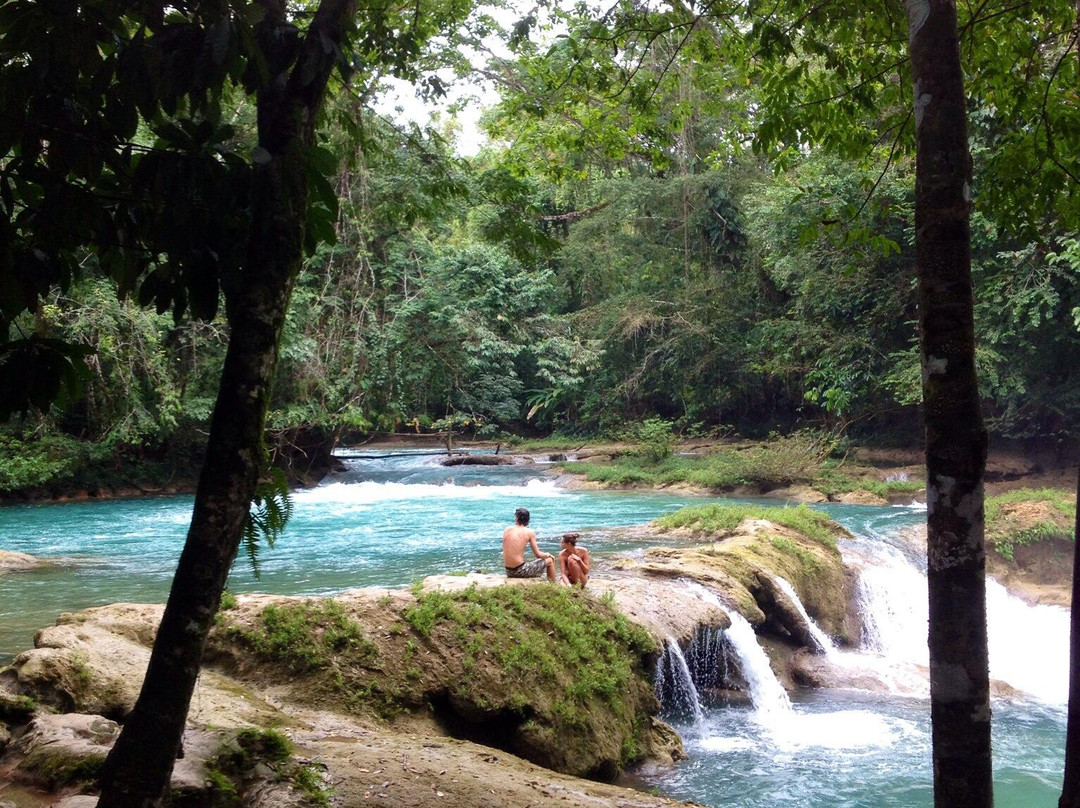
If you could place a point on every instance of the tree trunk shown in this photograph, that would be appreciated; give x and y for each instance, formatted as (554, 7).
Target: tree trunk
(138, 770)
(1070, 792)
(955, 435)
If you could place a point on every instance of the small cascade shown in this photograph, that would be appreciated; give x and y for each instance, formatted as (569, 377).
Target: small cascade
(891, 597)
(764, 689)
(766, 692)
(708, 659)
(823, 640)
(675, 687)
(1029, 645)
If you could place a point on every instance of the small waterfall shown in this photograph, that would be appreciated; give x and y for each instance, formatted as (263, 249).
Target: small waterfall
(823, 640)
(675, 687)
(892, 599)
(707, 658)
(1028, 644)
(765, 690)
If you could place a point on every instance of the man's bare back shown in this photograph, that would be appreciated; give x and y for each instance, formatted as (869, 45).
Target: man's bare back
(515, 539)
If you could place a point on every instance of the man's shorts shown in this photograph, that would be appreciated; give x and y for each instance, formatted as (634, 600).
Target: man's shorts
(529, 569)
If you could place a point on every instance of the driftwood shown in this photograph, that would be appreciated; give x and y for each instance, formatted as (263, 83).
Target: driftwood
(478, 460)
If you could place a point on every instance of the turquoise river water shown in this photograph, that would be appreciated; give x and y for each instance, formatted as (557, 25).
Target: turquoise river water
(391, 521)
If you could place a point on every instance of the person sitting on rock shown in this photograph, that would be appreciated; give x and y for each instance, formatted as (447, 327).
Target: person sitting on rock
(573, 561)
(515, 539)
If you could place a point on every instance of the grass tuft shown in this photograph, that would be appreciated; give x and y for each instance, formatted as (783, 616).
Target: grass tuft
(715, 518)
(1006, 530)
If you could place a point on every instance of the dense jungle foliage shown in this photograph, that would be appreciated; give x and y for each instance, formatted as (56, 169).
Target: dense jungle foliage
(629, 257)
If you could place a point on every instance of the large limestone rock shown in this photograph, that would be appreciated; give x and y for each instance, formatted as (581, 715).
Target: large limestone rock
(94, 661)
(742, 566)
(488, 667)
(365, 759)
(57, 751)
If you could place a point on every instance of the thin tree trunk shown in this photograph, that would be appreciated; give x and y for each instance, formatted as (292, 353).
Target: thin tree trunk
(138, 770)
(1070, 792)
(955, 436)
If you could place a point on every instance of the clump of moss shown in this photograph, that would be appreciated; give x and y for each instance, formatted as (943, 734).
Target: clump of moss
(540, 632)
(308, 635)
(714, 518)
(232, 769)
(1027, 516)
(16, 709)
(54, 770)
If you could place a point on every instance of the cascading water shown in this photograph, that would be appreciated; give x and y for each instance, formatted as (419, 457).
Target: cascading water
(1028, 644)
(892, 600)
(675, 687)
(825, 643)
(764, 689)
(708, 658)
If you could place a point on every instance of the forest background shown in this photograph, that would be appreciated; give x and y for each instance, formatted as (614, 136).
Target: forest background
(640, 240)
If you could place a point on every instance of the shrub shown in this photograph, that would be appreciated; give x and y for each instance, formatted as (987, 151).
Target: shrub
(656, 439)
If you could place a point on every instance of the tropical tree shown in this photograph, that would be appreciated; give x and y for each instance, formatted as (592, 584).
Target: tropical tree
(116, 146)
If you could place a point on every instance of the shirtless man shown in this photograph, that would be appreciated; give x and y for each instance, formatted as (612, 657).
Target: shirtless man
(573, 561)
(515, 539)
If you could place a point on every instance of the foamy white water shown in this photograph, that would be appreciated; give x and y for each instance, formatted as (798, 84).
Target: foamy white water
(820, 637)
(1029, 645)
(369, 492)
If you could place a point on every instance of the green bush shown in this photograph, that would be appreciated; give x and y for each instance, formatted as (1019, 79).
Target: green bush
(39, 460)
(656, 440)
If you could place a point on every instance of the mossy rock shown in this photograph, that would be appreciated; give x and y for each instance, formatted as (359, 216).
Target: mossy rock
(16, 709)
(61, 751)
(553, 675)
(54, 770)
(739, 552)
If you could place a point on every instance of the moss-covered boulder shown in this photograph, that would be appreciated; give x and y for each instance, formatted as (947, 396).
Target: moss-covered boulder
(61, 751)
(740, 552)
(1029, 533)
(551, 674)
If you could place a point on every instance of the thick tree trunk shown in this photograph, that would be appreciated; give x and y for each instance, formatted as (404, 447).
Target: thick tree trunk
(1070, 792)
(955, 435)
(138, 770)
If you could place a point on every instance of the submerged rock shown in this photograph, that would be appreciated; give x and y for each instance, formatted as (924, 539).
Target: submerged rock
(478, 460)
(14, 562)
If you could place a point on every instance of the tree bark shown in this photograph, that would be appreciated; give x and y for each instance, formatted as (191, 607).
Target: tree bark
(138, 770)
(955, 435)
(1070, 792)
